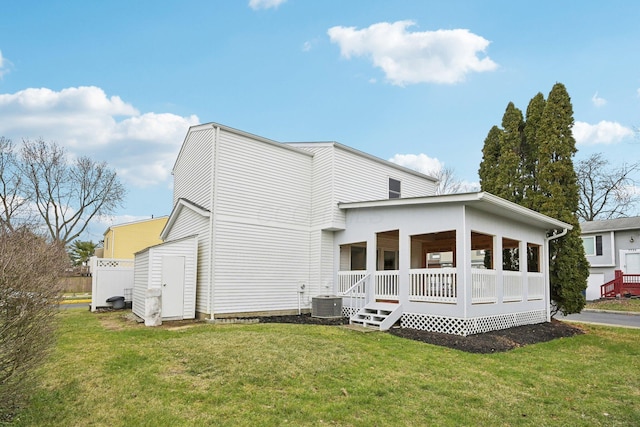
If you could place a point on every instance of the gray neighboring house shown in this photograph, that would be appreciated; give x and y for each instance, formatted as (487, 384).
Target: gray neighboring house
(610, 245)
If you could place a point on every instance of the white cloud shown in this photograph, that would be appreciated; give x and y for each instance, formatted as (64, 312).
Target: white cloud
(604, 132)
(265, 4)
(638, 91)
(418, 162)
(597, 101)
(442, 56)
(141, 147)
(306, 47)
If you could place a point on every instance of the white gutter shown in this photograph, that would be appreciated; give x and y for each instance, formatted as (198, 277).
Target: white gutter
(546, 266)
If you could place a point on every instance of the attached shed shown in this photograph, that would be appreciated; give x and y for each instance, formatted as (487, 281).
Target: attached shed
(171, 267)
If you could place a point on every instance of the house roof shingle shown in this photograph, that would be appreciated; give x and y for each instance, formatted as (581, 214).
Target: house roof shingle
(631, 223)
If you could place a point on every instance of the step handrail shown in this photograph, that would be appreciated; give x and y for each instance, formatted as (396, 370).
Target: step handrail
(357, 294)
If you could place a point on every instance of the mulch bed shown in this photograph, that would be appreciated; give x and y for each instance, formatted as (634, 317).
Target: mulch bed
(489, 342)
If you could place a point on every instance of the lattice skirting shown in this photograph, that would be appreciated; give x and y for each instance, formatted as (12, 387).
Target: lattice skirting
(476, 325)
(348, 311)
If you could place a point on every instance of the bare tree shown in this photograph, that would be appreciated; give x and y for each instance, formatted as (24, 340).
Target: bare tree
(448, 183)
(605, 192)
(67, 195)
(13, 195)
(29, 294)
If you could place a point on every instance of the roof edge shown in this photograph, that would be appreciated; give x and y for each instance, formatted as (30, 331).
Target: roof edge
(180, 204)
(462, 198)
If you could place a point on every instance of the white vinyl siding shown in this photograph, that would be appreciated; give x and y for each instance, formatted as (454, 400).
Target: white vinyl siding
(321, 265)
(342, 175)
(189, 223)
(322, 184)
(326, 263)
(192, 171)
(262, 182)
(358, 178)
(150, 261)
(140, 283)
(258, 268)
(262, 210)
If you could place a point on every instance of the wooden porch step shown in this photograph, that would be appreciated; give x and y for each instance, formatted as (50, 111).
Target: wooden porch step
(378, 315)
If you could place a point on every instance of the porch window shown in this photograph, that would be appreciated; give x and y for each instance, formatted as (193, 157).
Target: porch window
(433, 250)
(390, 260)
(433, 276)
(353, 257)
(353, 263)
(483, 244)
(394, 188)
(387, 245)
(533, 258)
(510, 254)
(358, 258)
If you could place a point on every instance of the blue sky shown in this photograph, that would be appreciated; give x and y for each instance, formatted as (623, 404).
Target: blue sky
(421, 82)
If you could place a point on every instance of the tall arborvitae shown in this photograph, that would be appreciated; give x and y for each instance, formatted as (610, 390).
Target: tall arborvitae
(529, 153)
(559, 190)
(510, 146)
(543, 179)
(489, 166)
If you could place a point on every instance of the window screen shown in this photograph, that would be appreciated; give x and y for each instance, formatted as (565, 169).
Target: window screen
(394, 188)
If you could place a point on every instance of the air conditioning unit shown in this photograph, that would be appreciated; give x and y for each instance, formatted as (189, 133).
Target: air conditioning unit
(326, 306)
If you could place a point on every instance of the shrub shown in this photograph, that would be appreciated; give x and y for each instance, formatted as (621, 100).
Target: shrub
(29, 295)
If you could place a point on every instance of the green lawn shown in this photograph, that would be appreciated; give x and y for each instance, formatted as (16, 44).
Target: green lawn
(622, 304)
(106, 371)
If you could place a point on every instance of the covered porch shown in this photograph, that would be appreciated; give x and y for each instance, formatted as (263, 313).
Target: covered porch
(449, 268)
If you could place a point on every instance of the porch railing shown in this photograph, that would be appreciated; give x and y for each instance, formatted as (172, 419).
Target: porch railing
(623, 284)
(483, 286)
(386, 284)
(346, 279)
(535, 285)
(357, 293)
(441, 285)
(512, 286)
(433, 285)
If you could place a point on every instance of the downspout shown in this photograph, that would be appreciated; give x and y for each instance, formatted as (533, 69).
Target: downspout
(466, 275)
(212, 216)
(546, 267)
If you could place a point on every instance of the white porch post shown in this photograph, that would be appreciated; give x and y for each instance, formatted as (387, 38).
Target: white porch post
(372, 266)
(524, 269)
(497, 266)
(404, 264)
(463, 265)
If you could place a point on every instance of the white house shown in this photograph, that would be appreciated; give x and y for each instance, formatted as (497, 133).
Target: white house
(279, 224)
(611, 246)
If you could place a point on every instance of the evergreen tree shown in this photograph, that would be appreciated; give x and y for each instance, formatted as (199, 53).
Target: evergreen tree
(529, 152)
(530, 162)
(559, 190)
(489, 167)
(510, 146)
(80, 251)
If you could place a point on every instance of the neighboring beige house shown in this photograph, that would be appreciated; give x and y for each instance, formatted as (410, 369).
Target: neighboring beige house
(122, 241)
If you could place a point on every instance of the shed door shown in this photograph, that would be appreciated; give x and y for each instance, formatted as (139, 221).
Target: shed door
(172, 286)
(632, 260)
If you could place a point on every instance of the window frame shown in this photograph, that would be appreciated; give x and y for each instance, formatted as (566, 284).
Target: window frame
(595, 246)
(393, 193)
